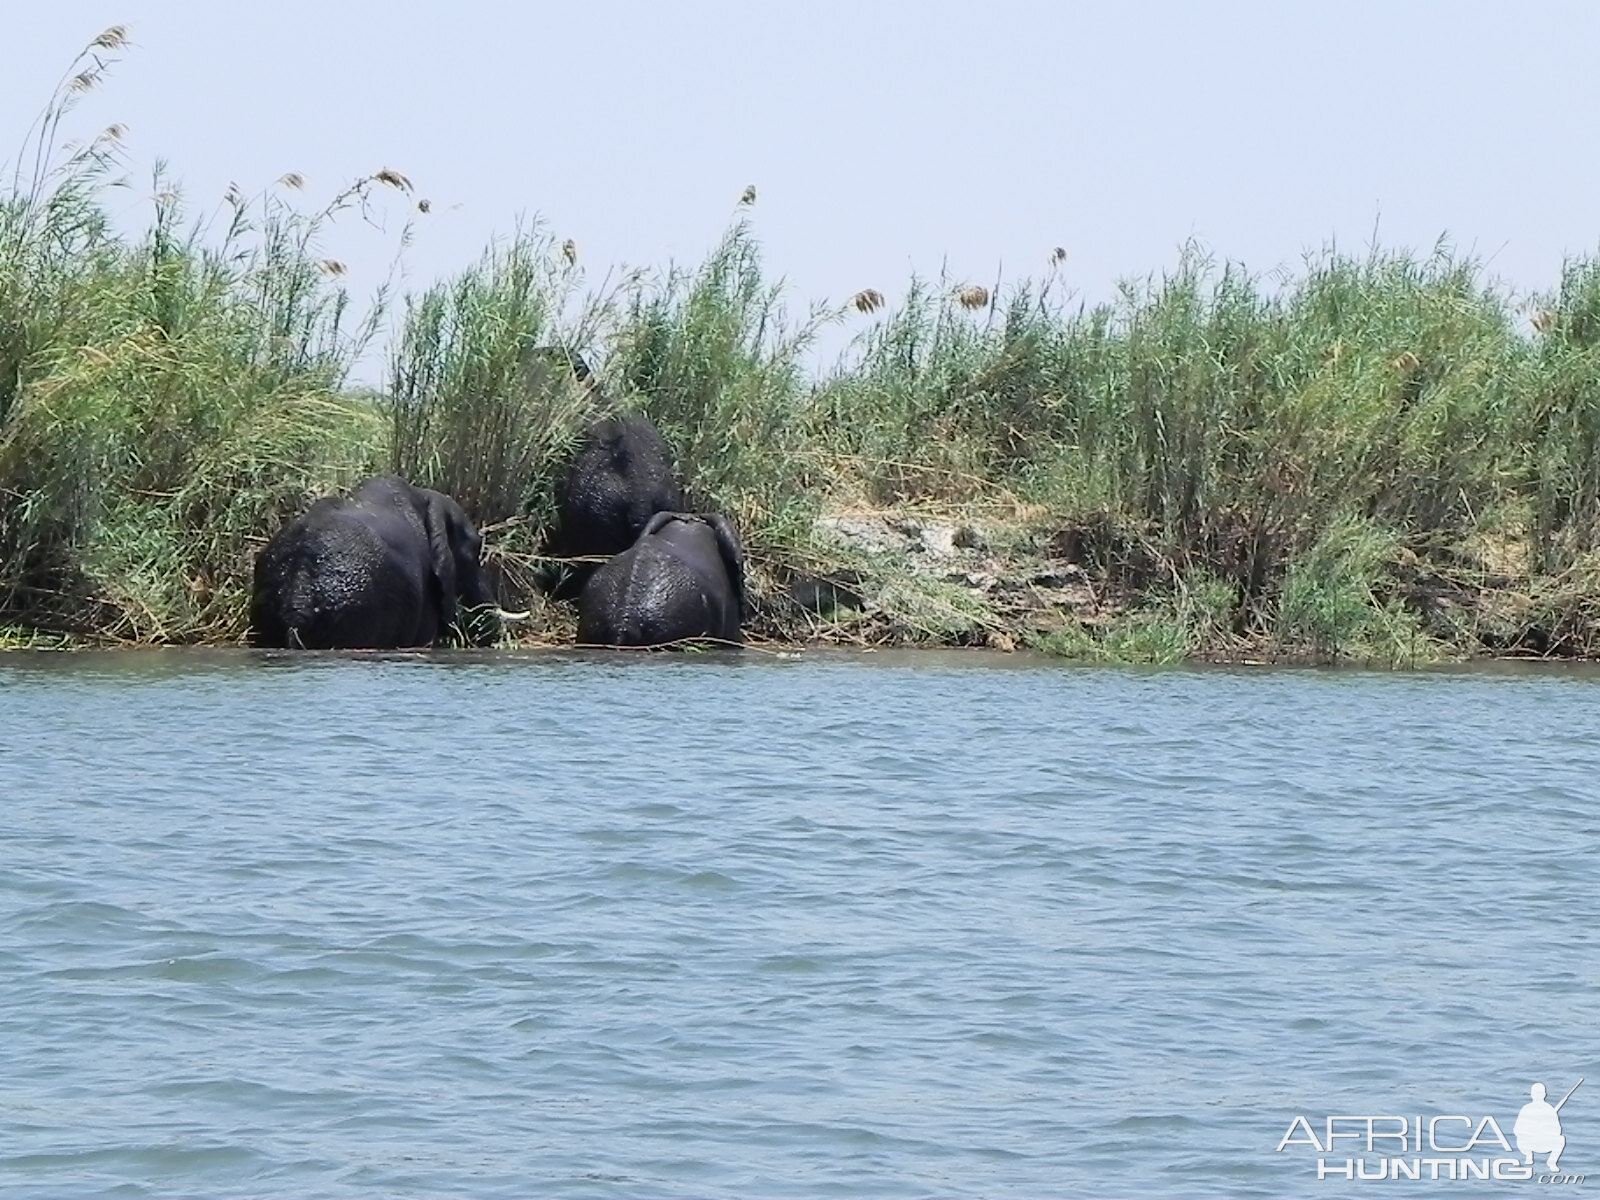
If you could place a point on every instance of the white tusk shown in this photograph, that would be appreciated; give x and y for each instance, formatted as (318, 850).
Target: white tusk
(510, 616)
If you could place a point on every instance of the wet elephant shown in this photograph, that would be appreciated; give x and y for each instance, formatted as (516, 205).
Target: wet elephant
(621, 475)
(388, 566)
(682, 579)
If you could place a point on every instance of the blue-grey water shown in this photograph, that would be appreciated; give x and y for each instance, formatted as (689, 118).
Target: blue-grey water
(842, 925)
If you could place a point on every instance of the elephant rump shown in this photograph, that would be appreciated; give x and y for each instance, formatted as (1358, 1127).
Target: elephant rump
(331, 582)
(650, 596)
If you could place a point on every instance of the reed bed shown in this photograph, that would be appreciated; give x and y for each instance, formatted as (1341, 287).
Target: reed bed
(1382, 456)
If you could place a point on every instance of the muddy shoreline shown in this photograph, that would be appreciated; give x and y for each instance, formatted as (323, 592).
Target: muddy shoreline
(900, 579)
(915, 580)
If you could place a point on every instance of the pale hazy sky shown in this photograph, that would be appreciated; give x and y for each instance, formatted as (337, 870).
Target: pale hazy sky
(883, 136)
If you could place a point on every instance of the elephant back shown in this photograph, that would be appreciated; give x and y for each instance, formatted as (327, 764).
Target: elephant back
(668, 587)
(342, 576)
(622, 474)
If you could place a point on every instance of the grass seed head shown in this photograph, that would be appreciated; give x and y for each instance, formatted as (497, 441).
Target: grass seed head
(972, 296)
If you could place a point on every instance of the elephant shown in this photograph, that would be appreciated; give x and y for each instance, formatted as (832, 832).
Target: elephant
(621, 475)
(682, 579)
(558, 358)
(386, 567)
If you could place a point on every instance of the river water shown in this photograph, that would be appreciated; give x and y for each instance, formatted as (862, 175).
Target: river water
(836, 925)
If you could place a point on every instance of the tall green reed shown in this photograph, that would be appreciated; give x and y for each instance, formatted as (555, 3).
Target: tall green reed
(713, 358)
(168, 397)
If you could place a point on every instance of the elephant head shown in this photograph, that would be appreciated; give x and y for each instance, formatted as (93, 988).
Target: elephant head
(559, 358)
(455, 547)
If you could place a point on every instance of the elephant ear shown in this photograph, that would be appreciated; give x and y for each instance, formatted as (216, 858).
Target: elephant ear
(732, 550)
(437, 518)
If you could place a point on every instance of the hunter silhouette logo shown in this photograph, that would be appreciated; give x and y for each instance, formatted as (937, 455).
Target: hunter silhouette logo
(1538, 1128)
(1440, 1147)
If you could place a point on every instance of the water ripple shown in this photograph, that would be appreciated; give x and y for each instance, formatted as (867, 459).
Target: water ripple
(490, 925)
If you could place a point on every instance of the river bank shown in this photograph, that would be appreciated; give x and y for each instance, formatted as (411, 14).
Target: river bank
(1086, 590)
(918, 579)
(1020, 581)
